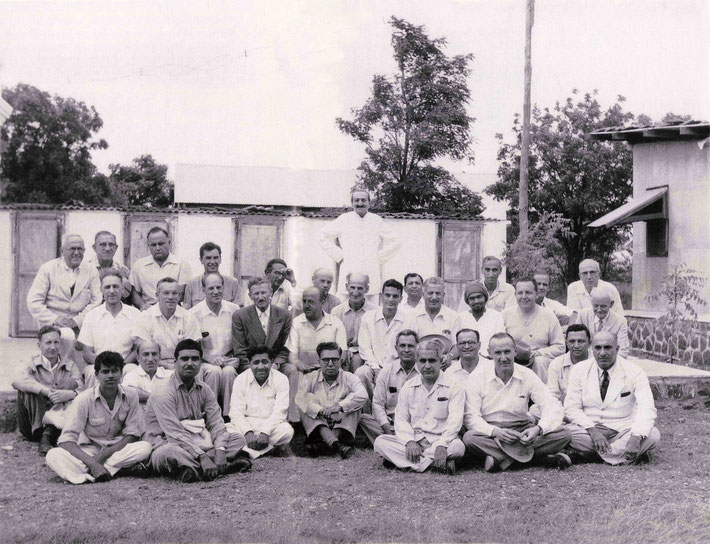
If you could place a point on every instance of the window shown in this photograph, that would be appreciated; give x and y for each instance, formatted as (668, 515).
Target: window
(657, 238)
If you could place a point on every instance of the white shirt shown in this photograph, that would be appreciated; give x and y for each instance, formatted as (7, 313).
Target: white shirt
(304, 338)
(436, 415)
(387, 387)
(365, 243)
(408, 310)
(491, 322)
(502, 297)
(558, 375)
(559, 309)
(490, 402)
(151, 324)
(259, 408)
(103, 332)
(456, 372)
(578, 298)
(377, 338)
(140, 379)
(446, 323)
(146, 273)
(218, 326)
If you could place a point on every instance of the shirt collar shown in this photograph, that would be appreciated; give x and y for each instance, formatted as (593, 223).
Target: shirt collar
(43, 361)
(267, 312)
(492, 376)
(251, 379)
(398, 361)
(440, 380)
(177, 382)
(338, 380)
(97, 392)
(171, 259)
(67, 268)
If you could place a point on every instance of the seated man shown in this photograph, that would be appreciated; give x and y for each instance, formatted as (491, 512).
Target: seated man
(283, 285)
(211, 258)
(259, 406)
(378, 330)
(600, 318)
(149, 374)
(497, 417)
(322, 280)
(185, 426)
(350, 313)
(468, 346)
(579, 292)
(427, 419)
(501, 295)
(329, 402)
(388, 385)
(610, 404)
(309, 329)
(564, 314)
(413, 285)
(578, 340)
(109, 327)
(45, 387)
(105, 248)
(103, 431)
(214, 316)
(485, 321)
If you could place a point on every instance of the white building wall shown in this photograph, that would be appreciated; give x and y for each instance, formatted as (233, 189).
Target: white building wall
(6, 271)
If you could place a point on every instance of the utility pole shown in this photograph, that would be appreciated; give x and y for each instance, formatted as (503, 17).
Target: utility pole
(525, 139)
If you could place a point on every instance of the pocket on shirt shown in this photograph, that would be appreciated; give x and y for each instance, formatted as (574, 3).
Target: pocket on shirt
(97, 421)
(441, 408)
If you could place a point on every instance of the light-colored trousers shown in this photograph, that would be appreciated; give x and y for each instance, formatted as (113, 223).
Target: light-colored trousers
(229, 374)
(282, 434)
(582, 442)
(75, 471)
(370, 427)
(393, 449)
(171, 457)
(368, 377)
(545, 444)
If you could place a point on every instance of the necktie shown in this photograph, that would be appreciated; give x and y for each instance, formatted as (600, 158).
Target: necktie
(604, 385)
(598, 326)
(264, 321)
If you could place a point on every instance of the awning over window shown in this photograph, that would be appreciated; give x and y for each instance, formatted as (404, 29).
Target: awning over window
(651, 205)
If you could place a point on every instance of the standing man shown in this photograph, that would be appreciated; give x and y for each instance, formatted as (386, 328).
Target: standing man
(485, 321)
(366, 242)
(45, 387)
(579, 292)
(329, 402)
(350, 313)
(64, 291)
(184, 424)
(610, 403)
(260, 324)
(564, 314)
(308, 330)
(600, 317)
(501, 295)
(434, 318)
(413, 286)
(389, 383)
(497, 416)
(161, 263)
(109, 327)
(211, 258)
(103, 431)
(469, 345)
(105, 247)
(578, 340)
(149, 375)
(378, 330)
(427, 419)
(214, 316)
(259, 406)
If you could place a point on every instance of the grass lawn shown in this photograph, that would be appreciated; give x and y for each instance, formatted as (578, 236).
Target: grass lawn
(358, 500)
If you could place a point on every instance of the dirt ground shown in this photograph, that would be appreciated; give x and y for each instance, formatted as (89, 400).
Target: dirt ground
(358, 500)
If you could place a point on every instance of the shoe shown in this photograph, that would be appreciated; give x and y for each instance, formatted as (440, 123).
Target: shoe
(283, 451)
(139, 470)
(644, 458)
(490, 464)
(388, 464)
(344, 451)
(227, 419)
(103, 478)
(240, 464)
(561, 460)
(188, 475)
(313, 450)
(451, 467)
(48, 440)
(504, 464)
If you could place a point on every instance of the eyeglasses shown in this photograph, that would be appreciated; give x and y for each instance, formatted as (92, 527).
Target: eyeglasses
(467, 343)
(331, 361)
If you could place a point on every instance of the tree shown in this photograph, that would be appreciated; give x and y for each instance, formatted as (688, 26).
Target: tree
(143, 183)
(47, 152)
(414, 117)
(570, 174)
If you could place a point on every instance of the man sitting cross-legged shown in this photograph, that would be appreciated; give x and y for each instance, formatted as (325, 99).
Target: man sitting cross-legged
(497, 412)
(45, 386)
(329, 402)
(610, 404)
(103, 429)
(185, 426)
(259, 405)
(427, 419)
(149, 374)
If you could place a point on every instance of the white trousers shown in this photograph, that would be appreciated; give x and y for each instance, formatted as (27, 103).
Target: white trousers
(282, 434)
(393, 449)
(75, 471)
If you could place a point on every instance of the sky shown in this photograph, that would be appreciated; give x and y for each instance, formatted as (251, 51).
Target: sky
(260, 83)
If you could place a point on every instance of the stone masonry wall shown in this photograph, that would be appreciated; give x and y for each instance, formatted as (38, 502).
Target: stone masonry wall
(691, 343)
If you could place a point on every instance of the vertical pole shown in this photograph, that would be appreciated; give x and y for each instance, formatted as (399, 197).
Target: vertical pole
(525, 139)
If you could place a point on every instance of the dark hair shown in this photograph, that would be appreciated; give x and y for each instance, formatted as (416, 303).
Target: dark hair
(257, 350)
(501, 336)
(204, 277)
(526, 279)
(186, 344)
(393, 283)
(478, 336)
(406, 332)
(326, 346)
(157, 229)
(272, 262)
(46, 330)
(108, 358)
(578, 327)
(413, 275)
(209, 246)
(104, 233)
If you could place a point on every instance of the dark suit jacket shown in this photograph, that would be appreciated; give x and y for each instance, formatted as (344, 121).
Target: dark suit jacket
(247, 332)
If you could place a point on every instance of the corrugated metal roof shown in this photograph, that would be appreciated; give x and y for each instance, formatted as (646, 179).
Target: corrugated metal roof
(235, 210)
(677, 130)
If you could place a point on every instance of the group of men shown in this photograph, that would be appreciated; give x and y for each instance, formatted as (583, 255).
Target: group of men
(154, 370)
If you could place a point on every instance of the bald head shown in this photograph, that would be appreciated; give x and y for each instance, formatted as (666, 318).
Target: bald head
(602, 301)
(312, 305)
(357, 286)
(589, 273)
(605, 349)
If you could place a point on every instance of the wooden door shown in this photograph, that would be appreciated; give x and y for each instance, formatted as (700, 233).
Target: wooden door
(257, 241)
(136, 234)
(36, 240)
(459, 258)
